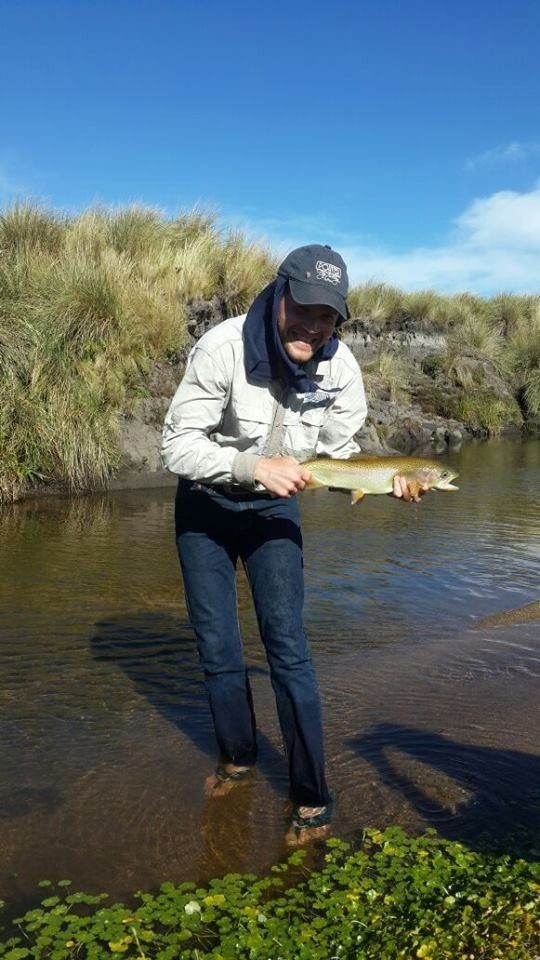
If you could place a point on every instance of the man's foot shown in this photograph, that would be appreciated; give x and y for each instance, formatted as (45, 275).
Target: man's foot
(309, 823)
(307, 814)
(304, 817)
(299, 838)
(218, 784)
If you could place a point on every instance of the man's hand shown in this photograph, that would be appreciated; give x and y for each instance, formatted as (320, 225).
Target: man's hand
(411, 494)
(281, 475)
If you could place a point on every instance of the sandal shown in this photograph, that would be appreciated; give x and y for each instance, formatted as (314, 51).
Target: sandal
(317, 820)
(224, 775)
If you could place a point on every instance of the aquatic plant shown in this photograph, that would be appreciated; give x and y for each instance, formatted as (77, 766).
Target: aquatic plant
(394, 898)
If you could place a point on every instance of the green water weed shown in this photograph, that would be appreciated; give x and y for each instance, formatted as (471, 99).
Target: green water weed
(390, 897)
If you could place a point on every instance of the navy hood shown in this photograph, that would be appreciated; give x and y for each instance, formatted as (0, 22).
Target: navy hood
(265, 357)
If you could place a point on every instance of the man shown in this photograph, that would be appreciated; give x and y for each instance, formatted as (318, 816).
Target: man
(262, 393)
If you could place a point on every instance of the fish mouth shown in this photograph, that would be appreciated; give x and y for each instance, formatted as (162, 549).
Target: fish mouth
(447, 484)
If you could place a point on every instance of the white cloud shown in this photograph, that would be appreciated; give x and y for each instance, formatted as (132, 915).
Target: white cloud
(506, 219)
(504, 154)
(493, 245)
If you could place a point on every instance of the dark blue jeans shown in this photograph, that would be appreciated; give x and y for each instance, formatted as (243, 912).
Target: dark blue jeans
(212, 532)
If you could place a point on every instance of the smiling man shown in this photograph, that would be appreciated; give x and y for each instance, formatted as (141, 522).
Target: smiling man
(262, 393)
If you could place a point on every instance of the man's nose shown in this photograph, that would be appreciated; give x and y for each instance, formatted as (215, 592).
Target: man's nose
(312, 326)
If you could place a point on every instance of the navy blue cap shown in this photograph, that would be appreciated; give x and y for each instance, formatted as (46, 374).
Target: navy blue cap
(317, 275)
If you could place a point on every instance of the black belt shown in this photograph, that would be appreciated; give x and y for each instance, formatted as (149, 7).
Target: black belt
(232, 491)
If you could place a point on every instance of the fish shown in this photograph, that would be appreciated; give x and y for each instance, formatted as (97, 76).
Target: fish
(365, 474)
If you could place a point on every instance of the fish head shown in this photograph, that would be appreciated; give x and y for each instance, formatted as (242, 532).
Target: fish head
(437, 476)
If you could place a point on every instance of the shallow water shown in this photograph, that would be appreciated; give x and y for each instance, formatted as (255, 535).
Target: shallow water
(106, 737)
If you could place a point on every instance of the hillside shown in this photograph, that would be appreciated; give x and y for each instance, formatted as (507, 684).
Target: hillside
(98, 312)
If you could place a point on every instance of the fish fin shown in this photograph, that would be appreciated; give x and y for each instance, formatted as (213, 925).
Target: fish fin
(315, 484)
(357, 496)
(415, 487)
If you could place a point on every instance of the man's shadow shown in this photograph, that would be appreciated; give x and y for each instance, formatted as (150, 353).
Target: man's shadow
(497, 791)
(158, 654)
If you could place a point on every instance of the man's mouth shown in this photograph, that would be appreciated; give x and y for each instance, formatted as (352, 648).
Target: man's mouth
(299, 337)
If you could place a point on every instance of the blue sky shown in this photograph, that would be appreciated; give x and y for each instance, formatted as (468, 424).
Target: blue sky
(406, 134)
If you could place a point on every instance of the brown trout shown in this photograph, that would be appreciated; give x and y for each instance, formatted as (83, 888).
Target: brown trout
(365, 474)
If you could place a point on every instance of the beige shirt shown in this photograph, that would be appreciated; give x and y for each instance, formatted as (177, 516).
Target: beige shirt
(219, 424)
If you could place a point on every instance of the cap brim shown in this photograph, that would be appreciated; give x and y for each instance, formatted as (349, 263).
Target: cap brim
(314, 294)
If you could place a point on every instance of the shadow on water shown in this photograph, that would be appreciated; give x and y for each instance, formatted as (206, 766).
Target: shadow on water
(499, 807)
(158, 654)
(20, 803)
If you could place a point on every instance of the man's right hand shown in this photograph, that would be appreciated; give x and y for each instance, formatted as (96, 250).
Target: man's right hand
(283, 476)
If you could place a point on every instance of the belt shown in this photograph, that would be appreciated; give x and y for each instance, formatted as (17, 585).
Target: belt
(231, 491)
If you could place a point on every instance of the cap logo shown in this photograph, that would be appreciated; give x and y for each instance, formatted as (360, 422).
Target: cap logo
(328, 272)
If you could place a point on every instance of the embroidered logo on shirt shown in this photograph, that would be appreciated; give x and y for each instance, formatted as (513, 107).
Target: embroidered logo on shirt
(320, 395)
(328, 272)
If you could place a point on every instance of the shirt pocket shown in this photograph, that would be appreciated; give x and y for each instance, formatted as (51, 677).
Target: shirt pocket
(302, 437)
(249, 424)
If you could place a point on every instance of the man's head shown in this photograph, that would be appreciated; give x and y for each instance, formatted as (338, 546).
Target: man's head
(314, 301)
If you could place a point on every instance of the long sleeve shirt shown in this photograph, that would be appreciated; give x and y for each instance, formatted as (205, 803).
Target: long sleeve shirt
(219, 424)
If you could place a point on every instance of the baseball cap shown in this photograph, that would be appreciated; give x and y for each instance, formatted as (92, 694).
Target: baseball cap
(317, 274)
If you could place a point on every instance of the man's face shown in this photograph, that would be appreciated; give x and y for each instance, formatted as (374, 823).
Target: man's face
(303, 329)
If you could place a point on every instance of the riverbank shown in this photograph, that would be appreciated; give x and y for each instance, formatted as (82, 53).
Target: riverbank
(99, 311)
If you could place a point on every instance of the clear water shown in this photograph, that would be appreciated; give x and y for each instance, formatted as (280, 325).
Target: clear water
(106, 739)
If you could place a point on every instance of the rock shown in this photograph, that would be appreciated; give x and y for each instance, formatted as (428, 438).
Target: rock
(369, 440)
(409, 338)
(202, 315)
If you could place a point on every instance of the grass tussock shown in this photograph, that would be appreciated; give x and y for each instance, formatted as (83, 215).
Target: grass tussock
(387, 373)
(86, 304)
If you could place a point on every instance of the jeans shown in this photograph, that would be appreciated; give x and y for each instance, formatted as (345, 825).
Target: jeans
(213, 530)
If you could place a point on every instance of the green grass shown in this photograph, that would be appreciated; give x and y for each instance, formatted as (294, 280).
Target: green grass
(394, 897)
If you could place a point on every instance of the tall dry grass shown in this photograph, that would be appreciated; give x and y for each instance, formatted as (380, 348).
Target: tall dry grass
(86, 304)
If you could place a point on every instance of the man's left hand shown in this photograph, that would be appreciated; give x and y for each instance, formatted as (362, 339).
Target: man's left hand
(403, 491)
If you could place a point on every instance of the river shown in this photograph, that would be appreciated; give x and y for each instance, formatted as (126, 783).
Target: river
(430, 718)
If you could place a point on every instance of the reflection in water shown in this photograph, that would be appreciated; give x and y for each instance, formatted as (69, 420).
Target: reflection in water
(18, 803)
(157, 654)
(107, 738)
